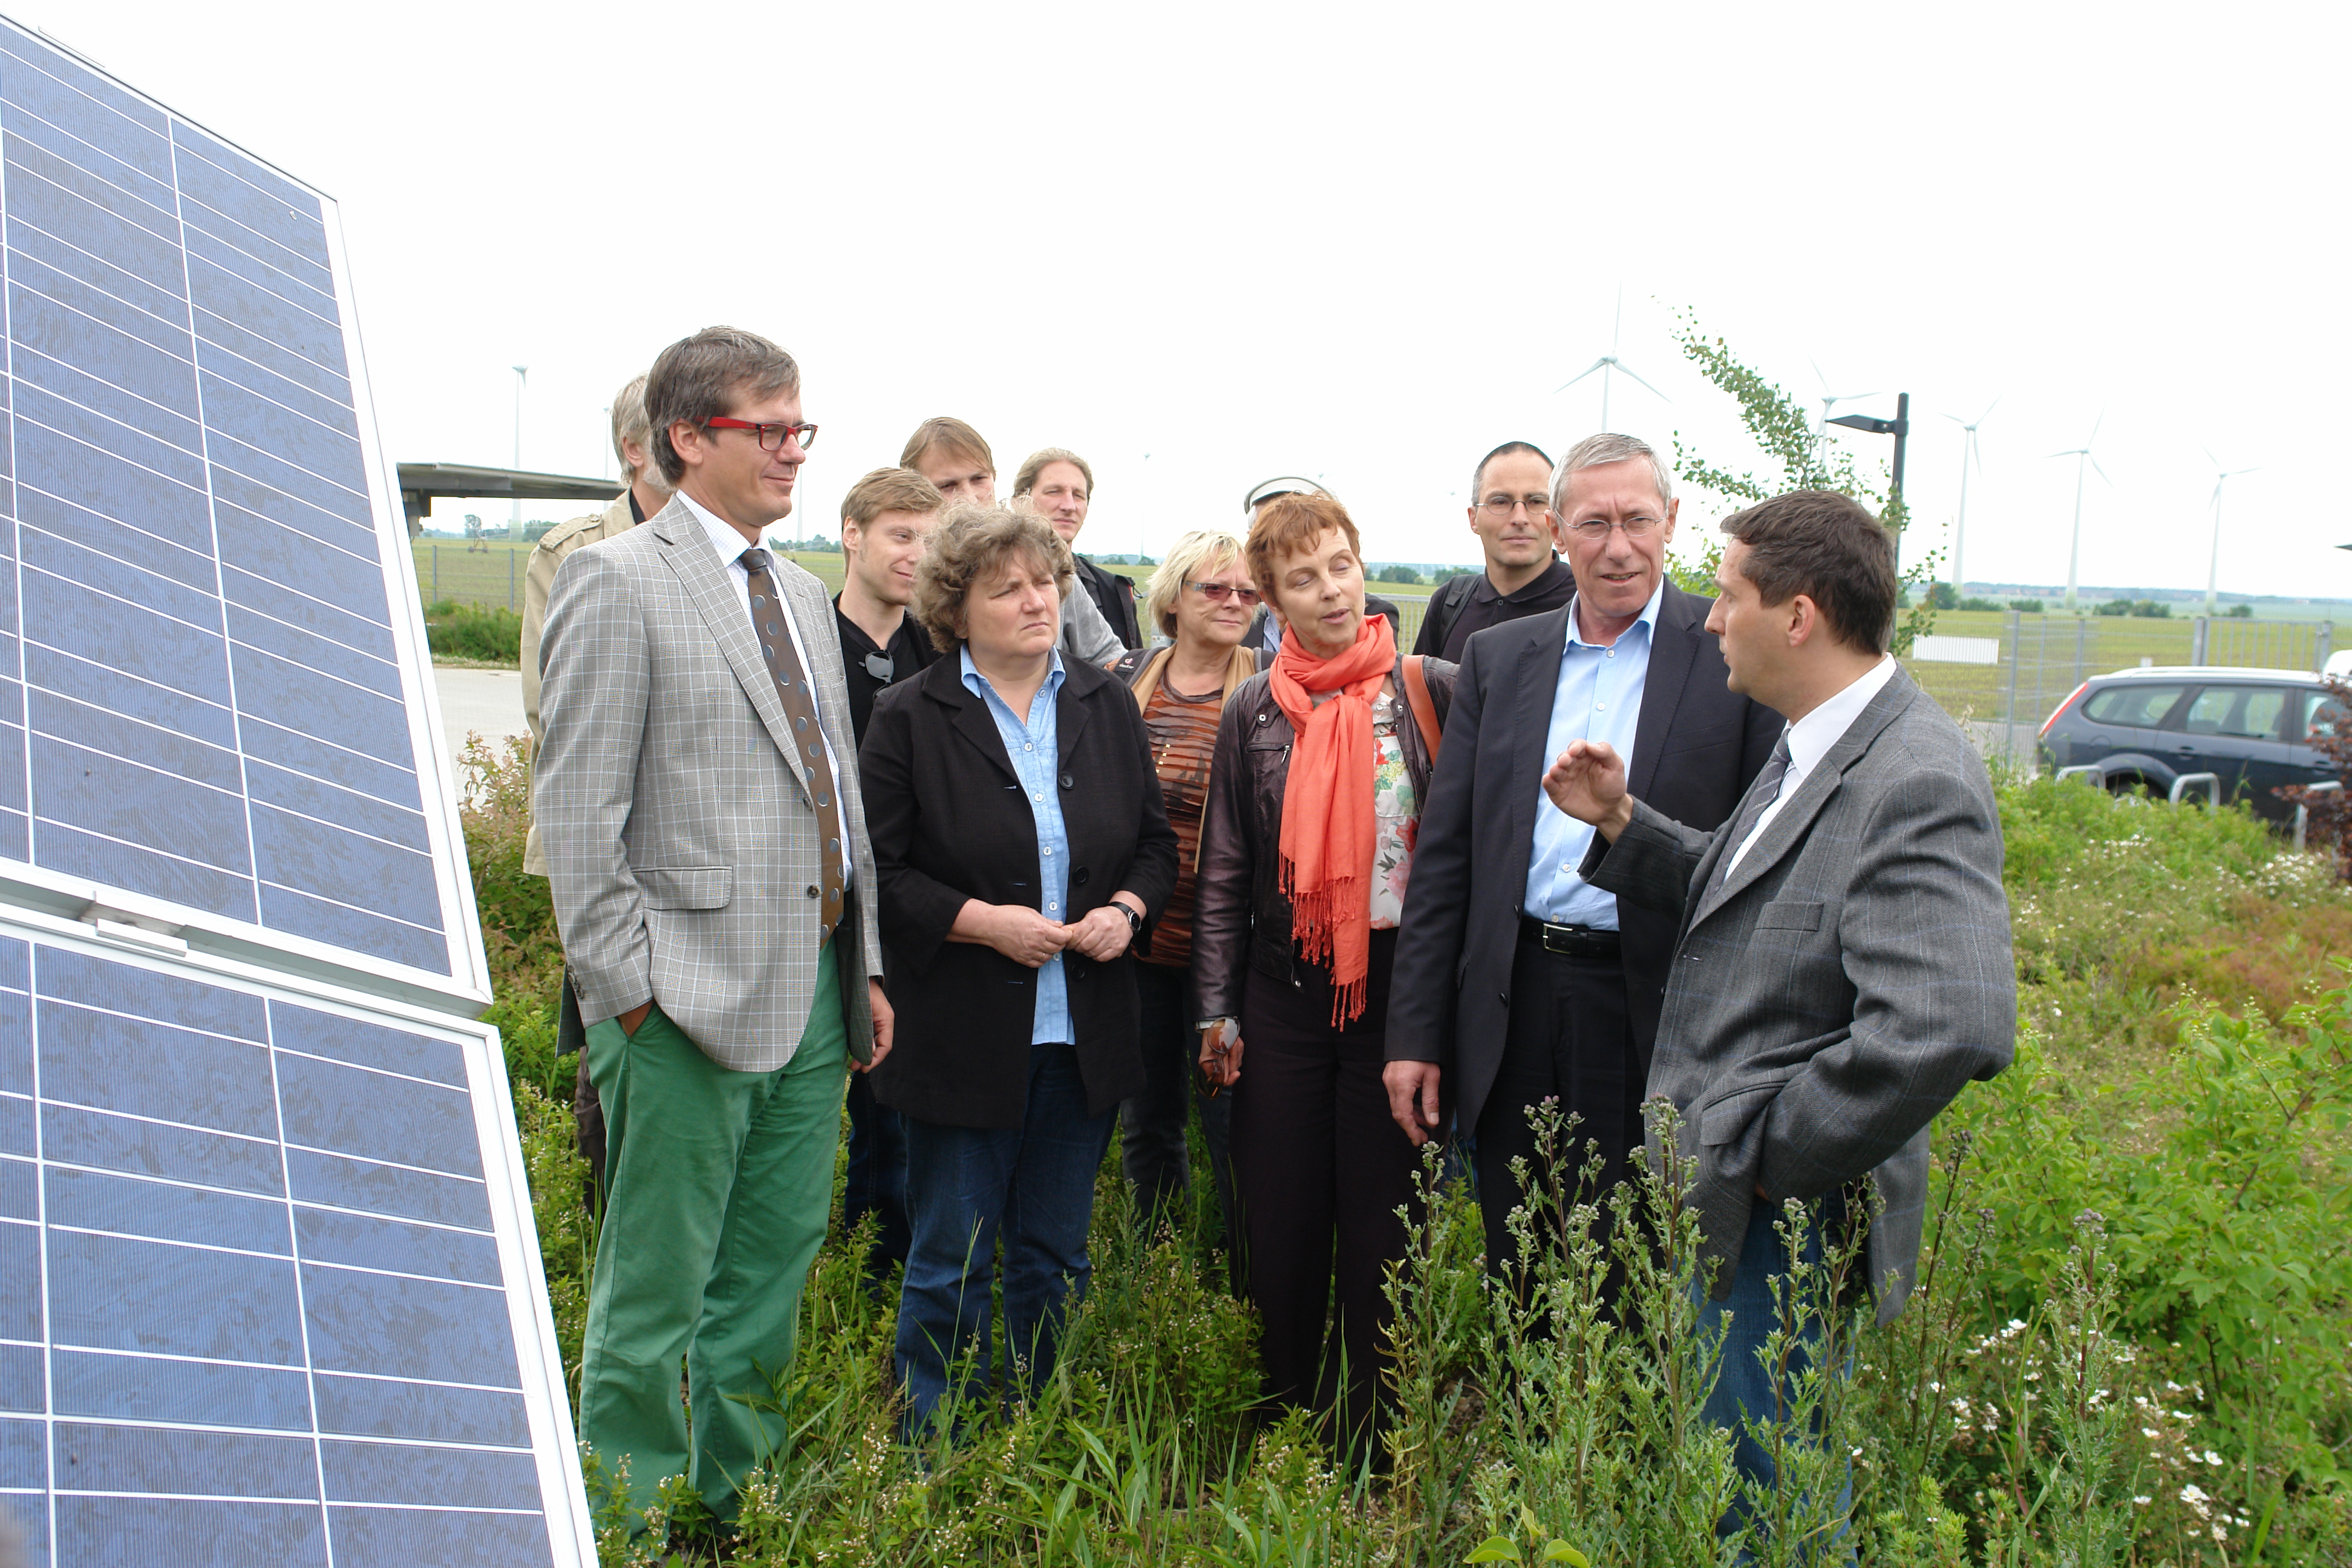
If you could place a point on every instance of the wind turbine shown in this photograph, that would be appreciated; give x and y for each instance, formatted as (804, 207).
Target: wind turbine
(1830, 400)
(1609, 361)
(2213, 568)
(2084, 459)
(1969, 454)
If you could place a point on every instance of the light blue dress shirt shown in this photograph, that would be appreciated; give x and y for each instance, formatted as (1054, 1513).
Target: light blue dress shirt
(1034, 748)
(1598, 697)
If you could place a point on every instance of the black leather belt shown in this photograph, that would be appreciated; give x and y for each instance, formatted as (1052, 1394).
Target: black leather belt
(1575, 942)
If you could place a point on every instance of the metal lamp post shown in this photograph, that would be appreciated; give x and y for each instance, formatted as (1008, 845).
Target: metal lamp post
(1899, 427)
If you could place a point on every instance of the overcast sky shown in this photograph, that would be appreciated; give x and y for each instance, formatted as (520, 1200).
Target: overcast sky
(1363, 242)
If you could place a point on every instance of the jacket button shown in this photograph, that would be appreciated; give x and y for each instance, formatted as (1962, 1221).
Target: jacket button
(1504, 998)
(1078, 877)
(810, 889)
(1070, 783)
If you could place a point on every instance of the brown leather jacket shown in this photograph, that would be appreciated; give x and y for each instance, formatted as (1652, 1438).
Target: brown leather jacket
(1240, 919)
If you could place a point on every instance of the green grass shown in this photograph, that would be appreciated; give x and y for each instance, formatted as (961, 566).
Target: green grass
(2184, 1077)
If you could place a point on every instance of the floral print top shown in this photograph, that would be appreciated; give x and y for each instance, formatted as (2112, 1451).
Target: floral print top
(1396, 816)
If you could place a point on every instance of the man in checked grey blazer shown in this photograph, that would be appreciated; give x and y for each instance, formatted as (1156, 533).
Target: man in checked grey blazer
(697, 793)
(1843, 964)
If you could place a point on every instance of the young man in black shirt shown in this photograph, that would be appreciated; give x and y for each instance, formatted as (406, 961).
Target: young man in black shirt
(885, 521)
(1510, 512)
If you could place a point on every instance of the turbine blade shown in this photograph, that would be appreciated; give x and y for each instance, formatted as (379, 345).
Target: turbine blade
(2098, 470)
(1990, 407)
(1816, 373)
(1580, 375)
(1662, 396)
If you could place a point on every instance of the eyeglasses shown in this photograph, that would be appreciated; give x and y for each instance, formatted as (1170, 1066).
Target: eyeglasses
(1215, 592)
(1501, 507)
(1597, 528)
(771, 437)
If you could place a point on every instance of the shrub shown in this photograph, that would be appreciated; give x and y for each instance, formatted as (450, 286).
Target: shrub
(490, 632)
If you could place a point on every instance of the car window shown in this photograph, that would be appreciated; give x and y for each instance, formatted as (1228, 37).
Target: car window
(2240, 713)
(2312, 715)
(2131, 704)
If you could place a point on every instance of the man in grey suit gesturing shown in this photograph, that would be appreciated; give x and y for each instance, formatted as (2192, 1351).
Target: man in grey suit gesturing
(697, 794)
(1844, 966)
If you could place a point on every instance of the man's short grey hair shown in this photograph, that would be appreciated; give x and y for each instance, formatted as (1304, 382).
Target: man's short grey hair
(696, 379)
(630, 424)
(1592, 452)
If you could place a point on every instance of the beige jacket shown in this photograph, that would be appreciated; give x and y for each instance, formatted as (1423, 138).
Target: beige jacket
(539, 578)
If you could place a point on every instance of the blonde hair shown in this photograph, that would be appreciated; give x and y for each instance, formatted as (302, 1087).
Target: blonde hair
(888, 489)
(1202, 551)
(951, 436)
(1035, 464)
(972, 544)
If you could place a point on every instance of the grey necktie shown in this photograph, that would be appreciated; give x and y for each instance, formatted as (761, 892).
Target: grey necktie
(1760, 798)
(800, 709)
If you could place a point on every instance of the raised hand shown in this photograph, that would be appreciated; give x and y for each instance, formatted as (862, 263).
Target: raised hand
(1588, 781)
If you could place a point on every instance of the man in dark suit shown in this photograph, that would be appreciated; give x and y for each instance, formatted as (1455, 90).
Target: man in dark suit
(1842, 965)
(1059, 486)
(1516, 980)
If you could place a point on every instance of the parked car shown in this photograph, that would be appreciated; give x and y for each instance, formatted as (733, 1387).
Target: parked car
(2144, 728)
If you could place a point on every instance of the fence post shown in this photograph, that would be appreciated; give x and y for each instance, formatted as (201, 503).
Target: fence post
(2323, 643)
(2082, 631)
(2009, 706)
(436, 571)
(510, 558)
(2200, 635)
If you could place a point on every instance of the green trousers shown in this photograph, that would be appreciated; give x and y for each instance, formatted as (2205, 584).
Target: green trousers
(719, 1187)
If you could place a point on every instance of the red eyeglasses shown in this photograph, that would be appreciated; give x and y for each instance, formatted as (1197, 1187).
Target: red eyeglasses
(771, 436)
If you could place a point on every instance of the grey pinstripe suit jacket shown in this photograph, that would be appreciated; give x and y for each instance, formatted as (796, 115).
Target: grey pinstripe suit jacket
(681, 841)
(1851, 973)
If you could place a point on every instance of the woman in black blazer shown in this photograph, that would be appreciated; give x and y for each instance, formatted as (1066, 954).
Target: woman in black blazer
(1020, 847)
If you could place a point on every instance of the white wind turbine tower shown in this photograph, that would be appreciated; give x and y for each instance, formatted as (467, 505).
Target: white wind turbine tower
(1970, 456)
(1830, 400)
(2213, 568)
(1609, 361)
(2084, 460)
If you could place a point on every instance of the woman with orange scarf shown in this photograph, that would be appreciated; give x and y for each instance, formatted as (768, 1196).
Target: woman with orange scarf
(1315, 794)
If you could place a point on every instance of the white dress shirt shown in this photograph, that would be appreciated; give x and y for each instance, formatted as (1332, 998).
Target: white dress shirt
(1809, 740)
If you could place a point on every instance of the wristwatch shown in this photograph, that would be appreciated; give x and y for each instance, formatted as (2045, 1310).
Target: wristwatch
(1134, 921)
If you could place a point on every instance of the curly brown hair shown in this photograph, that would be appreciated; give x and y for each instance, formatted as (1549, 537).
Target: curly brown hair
(972, 544)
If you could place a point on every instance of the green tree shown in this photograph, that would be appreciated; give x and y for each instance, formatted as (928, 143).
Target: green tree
(1794, 460)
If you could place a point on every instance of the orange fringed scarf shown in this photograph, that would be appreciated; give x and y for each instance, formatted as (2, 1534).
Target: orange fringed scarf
(1326, 808)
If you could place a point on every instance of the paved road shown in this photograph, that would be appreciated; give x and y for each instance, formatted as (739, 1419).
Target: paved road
(485, 701)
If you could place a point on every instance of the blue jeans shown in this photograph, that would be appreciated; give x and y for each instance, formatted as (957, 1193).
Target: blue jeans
(966, 1187)
(877, 1180)
(1745, 1386)
(1152, 1149)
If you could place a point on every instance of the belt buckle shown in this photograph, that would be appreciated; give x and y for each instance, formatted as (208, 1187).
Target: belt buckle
(1560, 939)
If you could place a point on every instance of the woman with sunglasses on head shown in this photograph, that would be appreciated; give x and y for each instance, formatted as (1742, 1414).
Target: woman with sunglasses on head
(1202, 598)
(1315, 794)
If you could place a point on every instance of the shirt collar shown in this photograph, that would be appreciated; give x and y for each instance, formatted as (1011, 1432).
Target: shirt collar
(1647, 620)
(1548, 581)
(976, 683)
(1810, 737)
(725, 537)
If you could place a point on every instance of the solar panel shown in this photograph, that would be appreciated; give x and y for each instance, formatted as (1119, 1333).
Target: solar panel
(265, 1298)
(270, 1286)
(214, 702)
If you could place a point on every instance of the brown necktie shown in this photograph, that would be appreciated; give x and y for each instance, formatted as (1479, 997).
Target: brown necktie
(800, 711)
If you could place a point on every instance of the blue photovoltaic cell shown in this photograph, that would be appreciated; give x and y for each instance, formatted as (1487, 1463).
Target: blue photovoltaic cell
(251, 1307)
(200, 698)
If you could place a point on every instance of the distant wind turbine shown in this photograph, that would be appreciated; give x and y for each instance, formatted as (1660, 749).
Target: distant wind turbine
(1970, 456)
(1830, 400)
(2213, 568)
(1608, 362)
(2084, 460)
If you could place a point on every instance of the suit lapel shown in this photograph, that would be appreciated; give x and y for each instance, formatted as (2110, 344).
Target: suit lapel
(1535, 680)
(688, 549)
(1070, 714)
(1787, 829)
(1673, 645)
(943, 683)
